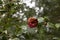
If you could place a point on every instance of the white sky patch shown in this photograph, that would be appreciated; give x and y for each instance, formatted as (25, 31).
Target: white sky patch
(3, 5)
(32, 4)
(21, 2)
(1, 0)
(26, 1)
(20, 10)
(37, 13)
(41, 10)
(29, 3)
(5, 31)
(3, 15)
(25, 9)
(25, 19)
(21, 14)
(16, 3)
(36, 8)
(15, 15)
(9, 39)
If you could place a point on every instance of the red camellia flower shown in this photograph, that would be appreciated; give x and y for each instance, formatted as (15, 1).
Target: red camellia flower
(32, 22)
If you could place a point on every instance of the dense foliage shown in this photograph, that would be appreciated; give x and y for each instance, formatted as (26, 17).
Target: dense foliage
(14, 15)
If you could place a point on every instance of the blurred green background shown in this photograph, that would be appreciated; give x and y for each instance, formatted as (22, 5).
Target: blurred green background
(14, 15)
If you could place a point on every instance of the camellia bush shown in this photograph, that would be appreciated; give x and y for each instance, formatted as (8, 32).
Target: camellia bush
(29, 19)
